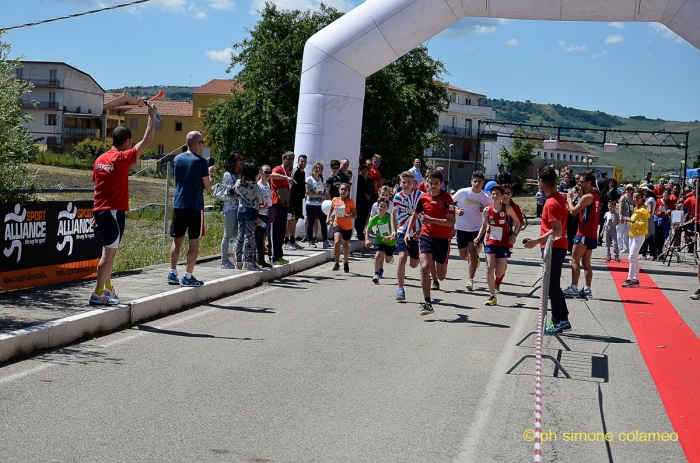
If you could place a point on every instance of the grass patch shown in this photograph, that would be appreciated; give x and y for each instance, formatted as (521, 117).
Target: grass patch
(527, 204)
(62, 160)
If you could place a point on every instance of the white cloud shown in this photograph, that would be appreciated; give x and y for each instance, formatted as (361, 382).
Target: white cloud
(602, 53)
(511, 43)
(472, 26)
(303, 5)
(200, 15)
(648, 41)
(224, 55)
(177, 6)
(617, 25)
(571, 48)
(221, 5)
(470, 48)
(615, 38)
(665, 32)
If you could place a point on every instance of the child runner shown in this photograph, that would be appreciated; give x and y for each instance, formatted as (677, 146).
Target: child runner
(611, 220)
(386, 237)
(438, 220)
(405, 202)
(384, 192)
(498, 238)
(249, 201)
(586, 240)
(470, 203)
(639, 223)
(342, 224)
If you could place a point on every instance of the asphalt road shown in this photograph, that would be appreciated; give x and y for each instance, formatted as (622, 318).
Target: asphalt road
(327, 367)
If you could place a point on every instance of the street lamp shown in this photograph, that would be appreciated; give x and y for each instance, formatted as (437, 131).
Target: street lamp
(652, 169)
(680, 174)
(449, 162)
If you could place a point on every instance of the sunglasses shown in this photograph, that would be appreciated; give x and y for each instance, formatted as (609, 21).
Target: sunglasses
(378, 162)
(267, 172)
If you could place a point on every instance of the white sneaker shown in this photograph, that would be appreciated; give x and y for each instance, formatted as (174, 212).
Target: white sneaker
(470, 285)
(289, 247)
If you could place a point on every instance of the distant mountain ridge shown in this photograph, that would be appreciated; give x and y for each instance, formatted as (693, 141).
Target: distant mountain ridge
(171, 92)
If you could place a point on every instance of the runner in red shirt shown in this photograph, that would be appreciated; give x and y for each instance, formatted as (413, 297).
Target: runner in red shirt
(111, 176)
(508, 199)
(498, 238)
(437, 212)
(554, 217)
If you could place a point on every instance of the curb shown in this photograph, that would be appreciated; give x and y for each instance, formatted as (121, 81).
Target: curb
(67, 330)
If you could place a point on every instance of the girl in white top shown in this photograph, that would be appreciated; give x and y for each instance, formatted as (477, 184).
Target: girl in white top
(316, 192)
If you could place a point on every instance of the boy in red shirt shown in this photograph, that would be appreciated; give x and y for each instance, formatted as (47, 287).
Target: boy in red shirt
(438, 217)
(343, 210)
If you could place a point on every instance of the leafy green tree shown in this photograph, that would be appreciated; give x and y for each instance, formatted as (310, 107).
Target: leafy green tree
(520, 158)
(16, 143)
(696, 163)
(90, 149)
(401, 100)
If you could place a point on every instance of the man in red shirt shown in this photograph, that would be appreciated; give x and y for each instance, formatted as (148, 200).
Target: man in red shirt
(554, 218)
(280, 183)
(374, 173)
(438, 219)
(659, 189)
(111, 176)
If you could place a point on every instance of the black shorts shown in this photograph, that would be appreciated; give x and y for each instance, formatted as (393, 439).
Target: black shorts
(466, 237)
(346, 234)
(412, 248)
(438, 247)
(111, 227)
(388, 250)
(297, 209)
(187, 220)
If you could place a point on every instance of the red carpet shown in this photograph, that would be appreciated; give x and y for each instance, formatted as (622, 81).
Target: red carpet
(671, 351)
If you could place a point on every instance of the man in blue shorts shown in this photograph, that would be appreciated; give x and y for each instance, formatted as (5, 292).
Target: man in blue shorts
(192, 177)
(438, 220)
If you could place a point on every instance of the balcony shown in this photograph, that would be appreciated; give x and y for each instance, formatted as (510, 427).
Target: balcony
(457, 132)
(44, 83)
(39, 105)
(79, 133)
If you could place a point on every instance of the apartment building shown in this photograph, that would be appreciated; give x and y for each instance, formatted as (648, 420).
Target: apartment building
(116, 105)
(66, 104)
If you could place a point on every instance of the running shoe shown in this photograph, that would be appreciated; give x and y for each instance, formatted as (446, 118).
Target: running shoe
(634, 284)
(111, 293)
(229, 266)
(570, 293)
(312, 244)
(426, 308)
(326, 244)
(585, 293)
(626, 284)
(695, 296)
(289, 247)
(375, 279)
(172, 278)
(563, 326)
(435, 286)
(381, 272)
(297, 246)
(336, 267)
(346, 267)
(617, 259)
(470, 285)
(492, 300)
(102, 299)
(401, 294)
(304, 240)
(607, 258)
(191, 281)
(280, 261)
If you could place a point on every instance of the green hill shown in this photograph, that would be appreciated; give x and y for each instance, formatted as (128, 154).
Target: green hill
(630, 158)
(170, 92)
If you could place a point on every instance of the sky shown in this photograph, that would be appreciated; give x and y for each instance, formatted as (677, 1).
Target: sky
(625, 69)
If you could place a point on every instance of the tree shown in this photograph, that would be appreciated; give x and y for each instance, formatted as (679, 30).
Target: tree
(91, 148)
(16, 143)
(696, 163)
(520, 158)
(401, 100)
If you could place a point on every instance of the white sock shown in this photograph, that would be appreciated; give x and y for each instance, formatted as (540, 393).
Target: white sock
(574, 287)
(173, 271)
(188, 275)
(586, 288)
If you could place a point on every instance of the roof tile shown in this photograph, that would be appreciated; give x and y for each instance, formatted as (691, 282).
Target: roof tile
(218, 87)
(167, 108)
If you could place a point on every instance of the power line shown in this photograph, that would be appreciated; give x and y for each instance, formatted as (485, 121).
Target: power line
(75, 15)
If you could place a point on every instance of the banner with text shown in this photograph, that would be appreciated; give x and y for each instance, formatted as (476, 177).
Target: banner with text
(47, 242)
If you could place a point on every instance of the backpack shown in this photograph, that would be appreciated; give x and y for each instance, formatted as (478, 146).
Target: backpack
(218, 192)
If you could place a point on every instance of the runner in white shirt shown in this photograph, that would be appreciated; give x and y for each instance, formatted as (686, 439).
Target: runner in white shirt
(469, 205)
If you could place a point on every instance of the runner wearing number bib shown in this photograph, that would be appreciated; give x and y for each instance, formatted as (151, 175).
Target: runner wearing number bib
(386, 237)
(405, 202)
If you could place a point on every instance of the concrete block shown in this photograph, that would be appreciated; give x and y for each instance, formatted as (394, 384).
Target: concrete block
(24, 341)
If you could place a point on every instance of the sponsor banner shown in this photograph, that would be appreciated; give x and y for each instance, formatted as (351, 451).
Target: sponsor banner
(47, 242)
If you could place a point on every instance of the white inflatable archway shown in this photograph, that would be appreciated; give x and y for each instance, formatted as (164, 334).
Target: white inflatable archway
(338, 58)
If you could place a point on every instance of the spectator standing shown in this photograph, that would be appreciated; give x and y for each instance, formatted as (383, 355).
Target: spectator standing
(111, 176)
(647, 179)
(374, 173)
(540, 198)
(662, 221)
(316, 192)
(648, 246)
(192, 177)
(250, 200)
(233, 166)
(281, 182)
(553, 224)
(365, 192)
(264, 225)
(626, 210)
(607, 193)
(503, 177)
(415, 170)
(333, 181)
(344, 172)
(660, 188)
(298, 192)
(638, 229)
(565, 184)
(611, 220)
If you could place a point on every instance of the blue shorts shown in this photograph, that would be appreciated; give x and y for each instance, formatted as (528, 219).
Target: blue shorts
(412, 248)
(501, 252)
(111, 227)
(591, 243)
(466, 237)
(438, 247)
(388, 250)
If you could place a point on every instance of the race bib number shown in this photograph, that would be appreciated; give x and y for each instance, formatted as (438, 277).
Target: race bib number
(319, 188)
(340, 211)
(496, 233)
(384, 229)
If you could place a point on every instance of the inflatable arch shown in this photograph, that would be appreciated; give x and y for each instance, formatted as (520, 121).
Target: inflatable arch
(338, 58)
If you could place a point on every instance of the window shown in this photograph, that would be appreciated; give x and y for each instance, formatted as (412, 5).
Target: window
(557, 156)
(178, 126)
(468, 126)
(19, 72)
(468, 101)
(134, 124)
(51, 119)
(161, 149)
(454, 98)
(577, 158)
(159, 125)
